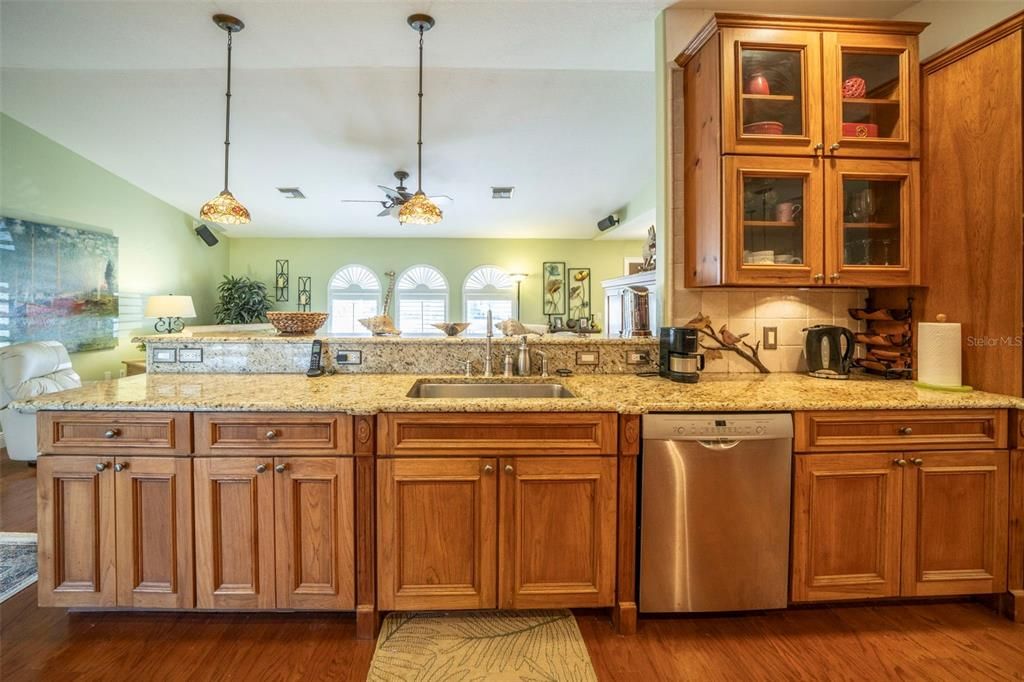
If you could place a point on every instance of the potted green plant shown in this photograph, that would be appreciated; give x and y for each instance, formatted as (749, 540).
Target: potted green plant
(242, 300)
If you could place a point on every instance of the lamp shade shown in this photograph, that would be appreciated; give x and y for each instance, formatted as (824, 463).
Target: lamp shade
(225, 209)
(419, 210)
(170, 306)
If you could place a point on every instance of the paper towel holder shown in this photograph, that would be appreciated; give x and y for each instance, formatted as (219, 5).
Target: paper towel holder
(963, 388)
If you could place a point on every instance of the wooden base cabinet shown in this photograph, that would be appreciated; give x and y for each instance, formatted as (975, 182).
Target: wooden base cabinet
(275, 532)
(115, 531)
(480, 533)
(900, 524)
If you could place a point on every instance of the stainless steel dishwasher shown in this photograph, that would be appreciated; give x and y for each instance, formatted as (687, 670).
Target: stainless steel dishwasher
(714, 520)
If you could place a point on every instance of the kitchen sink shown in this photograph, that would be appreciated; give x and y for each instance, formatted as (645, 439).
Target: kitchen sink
(489, 390)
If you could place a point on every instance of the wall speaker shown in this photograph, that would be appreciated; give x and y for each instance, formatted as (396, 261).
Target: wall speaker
(207, 235)
(608, 222)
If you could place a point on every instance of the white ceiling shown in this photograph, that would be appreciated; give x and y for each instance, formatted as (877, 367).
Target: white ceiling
(555, 98)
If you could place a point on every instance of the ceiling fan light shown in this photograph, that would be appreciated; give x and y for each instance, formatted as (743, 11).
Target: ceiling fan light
(419, 210)
(225, 209)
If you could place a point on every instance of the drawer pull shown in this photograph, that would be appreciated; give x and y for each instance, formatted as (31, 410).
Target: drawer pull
(917, 461)
(112, 433)
(280, 468)
(900, 462)
(906, 431)
(101, 466)
(120, 466)
(261, 468)
(488, 469)
(271, 434)
(509, 469)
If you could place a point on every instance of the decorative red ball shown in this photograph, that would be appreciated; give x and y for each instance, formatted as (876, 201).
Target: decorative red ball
(855, 87)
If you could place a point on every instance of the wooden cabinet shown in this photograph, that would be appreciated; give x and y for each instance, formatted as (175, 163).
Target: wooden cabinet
(889, 524)
(557, 529)
(437, 539)
(798, 144)
(115, 532)
(444, 543)
(82, 432)
(274, 533)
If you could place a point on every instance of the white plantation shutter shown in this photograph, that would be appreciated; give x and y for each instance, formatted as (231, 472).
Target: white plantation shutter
(488, 287)
(352, 294)
(422, 294)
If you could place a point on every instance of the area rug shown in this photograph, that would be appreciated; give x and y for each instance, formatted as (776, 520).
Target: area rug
(17, 563)
(491, 645)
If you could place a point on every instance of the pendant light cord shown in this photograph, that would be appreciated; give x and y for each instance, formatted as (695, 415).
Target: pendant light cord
(419, 128)
(227, 115)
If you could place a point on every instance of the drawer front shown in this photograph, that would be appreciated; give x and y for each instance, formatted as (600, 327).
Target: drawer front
(225, 433)
(541, 433)
(126, 433)
(900, 430)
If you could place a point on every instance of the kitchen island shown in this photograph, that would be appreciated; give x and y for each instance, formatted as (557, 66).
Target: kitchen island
(343, 493)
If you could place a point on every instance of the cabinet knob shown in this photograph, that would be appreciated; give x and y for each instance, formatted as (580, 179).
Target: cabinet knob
(509, 469)
(120, 466)
(111, 433)
(820, 277)
(819, 147)
(271, 434)
(906, 431)
(280, 468)
(101, 466)
(261, 468)
(834, 277)
(834, 146)
(900, 462)
(917, 461)
(488, 469)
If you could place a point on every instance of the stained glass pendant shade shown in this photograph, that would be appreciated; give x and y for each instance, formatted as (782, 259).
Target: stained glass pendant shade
(420, 210)
(225, 208)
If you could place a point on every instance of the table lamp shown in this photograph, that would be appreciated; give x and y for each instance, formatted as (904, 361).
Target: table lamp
(169, 310)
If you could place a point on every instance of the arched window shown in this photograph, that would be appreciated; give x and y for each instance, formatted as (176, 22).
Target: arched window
(488, 288)
(353, 294)
(422, 294)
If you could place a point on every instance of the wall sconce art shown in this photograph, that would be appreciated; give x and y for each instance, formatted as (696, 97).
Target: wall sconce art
(305, 284)
(281, 280)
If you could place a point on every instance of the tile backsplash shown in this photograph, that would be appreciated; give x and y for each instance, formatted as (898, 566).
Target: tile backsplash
(749, 311)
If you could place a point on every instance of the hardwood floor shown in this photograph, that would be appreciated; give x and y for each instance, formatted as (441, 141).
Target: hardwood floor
(934, 641)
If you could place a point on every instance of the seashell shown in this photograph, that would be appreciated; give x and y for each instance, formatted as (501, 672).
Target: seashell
(514, 328)
(452, 328)
(381, 325)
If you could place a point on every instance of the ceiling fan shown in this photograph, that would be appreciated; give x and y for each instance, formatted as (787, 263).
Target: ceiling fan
(394, 198)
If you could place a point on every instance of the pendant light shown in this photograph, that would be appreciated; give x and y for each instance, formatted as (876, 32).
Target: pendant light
(225, 208)
(420, 210)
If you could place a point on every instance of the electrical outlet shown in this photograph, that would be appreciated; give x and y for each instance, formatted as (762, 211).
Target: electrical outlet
(190, 355)
(164, 355)
(634, 357)
(771, 338)
(587, 357)
(349, 357)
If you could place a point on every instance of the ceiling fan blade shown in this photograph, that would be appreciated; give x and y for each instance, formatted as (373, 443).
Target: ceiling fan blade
(393, 195)
(441, 199)
(385, 213)
(363, 201)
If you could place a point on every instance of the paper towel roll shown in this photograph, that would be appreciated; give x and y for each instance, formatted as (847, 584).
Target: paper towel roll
(938, 353)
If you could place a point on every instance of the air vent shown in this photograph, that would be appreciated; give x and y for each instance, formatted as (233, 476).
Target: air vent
(502, 192)
(291, 192)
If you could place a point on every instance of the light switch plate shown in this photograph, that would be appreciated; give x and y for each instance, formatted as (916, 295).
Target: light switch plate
(587, 357)
(190, 355)
(636, 357)
(164, 355)
(771, 338)
(349, 357)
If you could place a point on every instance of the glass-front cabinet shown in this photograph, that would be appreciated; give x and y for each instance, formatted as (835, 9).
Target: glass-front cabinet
(868, 80)
(871, 222)
(772, 86)
(774, 218)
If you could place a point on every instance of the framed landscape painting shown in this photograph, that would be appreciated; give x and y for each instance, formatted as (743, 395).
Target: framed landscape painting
(57, 284)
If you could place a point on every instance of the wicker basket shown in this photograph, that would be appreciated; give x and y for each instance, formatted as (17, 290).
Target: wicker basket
(296, 323)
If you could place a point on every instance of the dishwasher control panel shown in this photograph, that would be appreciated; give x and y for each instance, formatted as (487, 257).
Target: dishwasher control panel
(737, 426)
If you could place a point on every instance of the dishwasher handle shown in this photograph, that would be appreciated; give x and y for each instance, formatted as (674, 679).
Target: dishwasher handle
(719, 444)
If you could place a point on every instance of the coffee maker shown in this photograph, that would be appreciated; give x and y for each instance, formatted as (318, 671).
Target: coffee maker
(678, 357)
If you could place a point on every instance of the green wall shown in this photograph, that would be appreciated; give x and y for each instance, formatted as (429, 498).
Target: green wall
(320, 258)
(158, 252)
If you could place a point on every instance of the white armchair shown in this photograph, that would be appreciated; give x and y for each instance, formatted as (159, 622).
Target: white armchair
(28, 370)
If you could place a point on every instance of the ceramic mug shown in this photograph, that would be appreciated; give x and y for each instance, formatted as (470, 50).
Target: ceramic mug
(787, 211)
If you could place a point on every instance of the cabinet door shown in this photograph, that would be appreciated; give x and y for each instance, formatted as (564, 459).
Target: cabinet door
(846, 526)
(871, 222)
(154, 532)
(437, 533)
(315, 533)
(557, 531)
(234, 528)
(955, 523)
(771, 91)
(773, 218)
(75, 497)
(871, 95)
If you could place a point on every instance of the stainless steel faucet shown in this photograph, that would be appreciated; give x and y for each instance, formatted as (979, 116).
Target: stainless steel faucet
(490, 336)
(543, 363)
(523, 360)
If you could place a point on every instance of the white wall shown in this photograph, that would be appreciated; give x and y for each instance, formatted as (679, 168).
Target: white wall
(953, 21)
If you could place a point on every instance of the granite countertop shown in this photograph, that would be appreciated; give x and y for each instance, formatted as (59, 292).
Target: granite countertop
(628, 394)
(272, 337)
